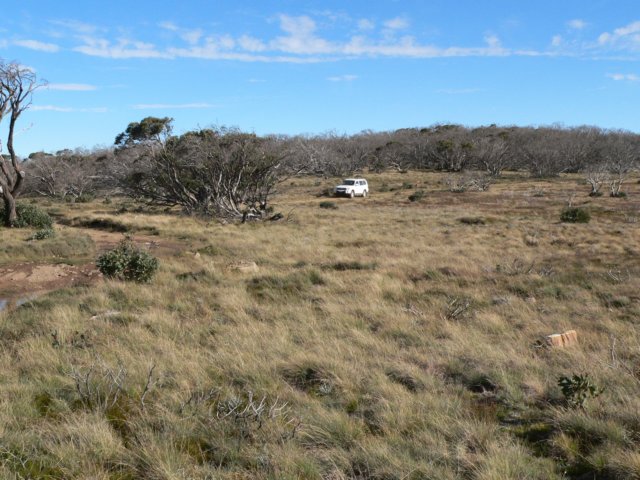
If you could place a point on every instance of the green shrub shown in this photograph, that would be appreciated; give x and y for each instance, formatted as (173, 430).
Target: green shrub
(575, 215)
(328, 205)
(30, 216)
(417, 195)
(128, 262)
(577, 389)
(43, 234)
(85, 198)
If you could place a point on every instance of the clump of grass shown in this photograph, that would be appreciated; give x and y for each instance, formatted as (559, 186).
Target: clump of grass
(309, 377)
(271, 287)
(472, 220)
(405, 379)
(575, 215)
(351, 265)
(618, 195)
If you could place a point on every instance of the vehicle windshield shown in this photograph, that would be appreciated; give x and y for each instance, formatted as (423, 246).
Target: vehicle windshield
(349, 182)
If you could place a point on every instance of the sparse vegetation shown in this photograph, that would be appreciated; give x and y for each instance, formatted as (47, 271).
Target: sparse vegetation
(404, 347)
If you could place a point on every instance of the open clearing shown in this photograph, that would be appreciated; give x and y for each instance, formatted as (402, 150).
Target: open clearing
(382, 339)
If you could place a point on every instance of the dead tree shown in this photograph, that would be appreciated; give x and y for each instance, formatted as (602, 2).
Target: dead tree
(17, 84)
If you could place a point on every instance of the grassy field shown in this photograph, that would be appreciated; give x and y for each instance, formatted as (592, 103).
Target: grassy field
(376, 338)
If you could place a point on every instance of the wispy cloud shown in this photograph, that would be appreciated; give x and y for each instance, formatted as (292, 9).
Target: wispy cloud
(37, 45)
(398, 23)
(627, 37)
(55, 108)
(71, 87)
(74, 26)
(169, 26)
(169, 106)
(629, 77)
(343, 78)
(122, 49)
(577, 24)
(366, 24)
(302, 39)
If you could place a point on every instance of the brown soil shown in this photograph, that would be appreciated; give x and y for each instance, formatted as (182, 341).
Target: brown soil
(26, 280)
(22, 281)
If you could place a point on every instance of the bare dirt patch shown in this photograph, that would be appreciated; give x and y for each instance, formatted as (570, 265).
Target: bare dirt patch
(27, 280)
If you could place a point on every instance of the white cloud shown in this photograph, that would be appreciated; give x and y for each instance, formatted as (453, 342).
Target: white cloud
(627, 37)
(365, 24)
(78, 28)
(54, 108)
(343, 78)
(251, 44)
(301, 38)
(167, 106)
(169, 26)
(493, 41)
(629, 77)
(556, 41)
(37, 45)
(71, 87)
(99, 47)
(397, 23)
(577, 24)
(192, 36)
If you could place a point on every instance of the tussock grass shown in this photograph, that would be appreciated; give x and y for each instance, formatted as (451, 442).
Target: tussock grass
(384, 339)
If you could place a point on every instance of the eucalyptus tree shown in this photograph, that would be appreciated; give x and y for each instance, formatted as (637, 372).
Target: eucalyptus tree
(17, 84)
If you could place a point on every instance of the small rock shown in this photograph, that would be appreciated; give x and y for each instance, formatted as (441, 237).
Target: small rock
(570, 337)
(531, 300)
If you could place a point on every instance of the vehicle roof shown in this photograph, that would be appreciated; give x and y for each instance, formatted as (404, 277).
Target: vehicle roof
(355, 178)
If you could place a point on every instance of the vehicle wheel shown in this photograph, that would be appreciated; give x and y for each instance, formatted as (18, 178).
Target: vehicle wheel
(352, 194)
(364, 193)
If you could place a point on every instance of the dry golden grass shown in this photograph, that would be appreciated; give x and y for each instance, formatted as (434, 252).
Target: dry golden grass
(384, 339)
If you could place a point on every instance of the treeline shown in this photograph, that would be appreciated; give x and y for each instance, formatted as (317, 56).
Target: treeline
(605, 157)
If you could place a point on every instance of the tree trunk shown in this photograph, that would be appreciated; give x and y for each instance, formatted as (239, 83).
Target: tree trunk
(10, 215)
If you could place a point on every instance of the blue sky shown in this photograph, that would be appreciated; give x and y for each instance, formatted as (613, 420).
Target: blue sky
(315, 66)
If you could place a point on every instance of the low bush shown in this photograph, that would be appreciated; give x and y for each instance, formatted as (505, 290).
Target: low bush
(30, 216)
(328, 205)
(128, 262)
(417, 195)
(575, 215)
(42, 234)
(577, 389)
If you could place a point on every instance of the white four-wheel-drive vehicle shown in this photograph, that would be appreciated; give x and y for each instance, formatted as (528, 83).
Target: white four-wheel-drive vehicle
(352, 187)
